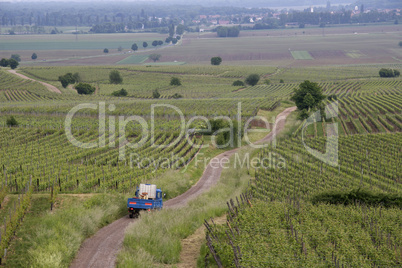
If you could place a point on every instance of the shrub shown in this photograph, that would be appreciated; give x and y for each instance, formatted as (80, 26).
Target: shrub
(252, 79)
(216, 60)
(34, 56)
(11, 121)
(156, 94)
(177, 96)
(281, 81)
(359, 195)
(388, 73)
(120, 93)
(84, 89)
(115, 77)
(267, 81)
(238, 83)
(106, 50)
(174, 81)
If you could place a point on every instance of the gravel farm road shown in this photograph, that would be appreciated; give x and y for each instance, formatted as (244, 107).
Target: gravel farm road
(101, 249)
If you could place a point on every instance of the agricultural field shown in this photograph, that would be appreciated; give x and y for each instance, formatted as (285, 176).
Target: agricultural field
(95, 161)
(301, 211)
(280, 47)
(301, 55)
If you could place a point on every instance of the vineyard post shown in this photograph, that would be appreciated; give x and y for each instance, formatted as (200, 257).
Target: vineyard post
(51, 199)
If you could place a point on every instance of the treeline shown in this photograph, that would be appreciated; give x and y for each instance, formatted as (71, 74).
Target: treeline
(126, 17)
(89, 14)
(227, 31)
(340, 17)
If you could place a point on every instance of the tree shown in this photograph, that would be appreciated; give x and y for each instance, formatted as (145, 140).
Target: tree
(13, 63)
(169, 39)
(34, 56)
(144, 44)
(227, 31)
(252, 79)
(308, 101)
(11, 122)
(155, 94)
(155, 43)
(16, 57)
(216, 60)
(63, 80)
(308, 95)
(174, 81)
(115, 77)
(281, 81)
(174, 41)
(134, 47)
(4, 62)
(180, 29)
(154, 57)
(120, 93)
(160, 42)
(400, 43)
(84, 89)
(171, 30)
(106, 50)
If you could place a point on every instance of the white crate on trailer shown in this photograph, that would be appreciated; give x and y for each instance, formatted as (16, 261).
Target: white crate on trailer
(150, 189)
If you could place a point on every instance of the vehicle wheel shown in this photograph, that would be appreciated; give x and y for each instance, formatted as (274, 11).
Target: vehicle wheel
(131, 215)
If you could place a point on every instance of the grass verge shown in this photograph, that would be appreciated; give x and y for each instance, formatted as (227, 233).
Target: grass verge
(51, 239)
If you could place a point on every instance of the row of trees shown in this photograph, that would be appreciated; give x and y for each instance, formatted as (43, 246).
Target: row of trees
(223, 31)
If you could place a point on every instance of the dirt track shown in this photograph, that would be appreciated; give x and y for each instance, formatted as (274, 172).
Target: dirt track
(101, 249)
(48, 86)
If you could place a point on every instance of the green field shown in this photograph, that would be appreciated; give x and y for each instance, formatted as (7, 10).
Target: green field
(301, 55)
(354, 54)
(174, 63)
(133, 59)
(73, 42)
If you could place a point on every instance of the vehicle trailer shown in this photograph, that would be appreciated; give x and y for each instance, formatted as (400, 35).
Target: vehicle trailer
(147, 197)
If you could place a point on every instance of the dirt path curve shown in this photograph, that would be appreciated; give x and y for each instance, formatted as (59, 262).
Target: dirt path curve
(101, 249)
(48, 86)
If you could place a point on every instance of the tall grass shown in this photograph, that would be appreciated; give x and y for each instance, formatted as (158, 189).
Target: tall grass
(52, 239)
